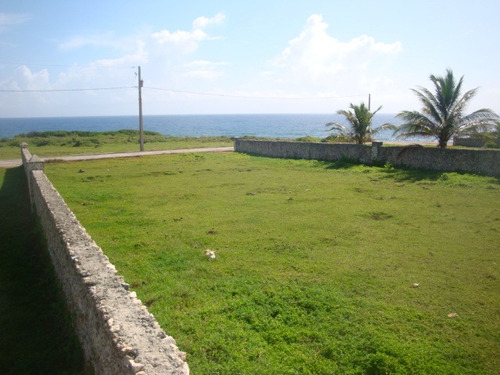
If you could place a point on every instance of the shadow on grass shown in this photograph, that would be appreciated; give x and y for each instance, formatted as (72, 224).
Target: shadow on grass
(412, 175)
(339, 164)
(399, 174)
(36, 335)
(416, 175)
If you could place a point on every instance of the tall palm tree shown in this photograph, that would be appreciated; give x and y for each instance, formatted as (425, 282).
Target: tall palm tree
(360, 124)
(442, 114)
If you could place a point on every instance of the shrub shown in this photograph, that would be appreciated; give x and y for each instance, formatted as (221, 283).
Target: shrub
(42, 142)
(492, 144)
(336, 138)
(307, 139)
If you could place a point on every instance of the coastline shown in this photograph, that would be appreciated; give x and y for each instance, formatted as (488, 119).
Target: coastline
(237, 125)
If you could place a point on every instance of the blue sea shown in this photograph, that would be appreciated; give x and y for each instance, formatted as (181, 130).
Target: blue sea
(259, 125)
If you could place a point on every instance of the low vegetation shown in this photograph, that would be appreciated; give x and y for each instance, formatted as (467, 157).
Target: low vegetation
(55, 143)
(491, 139)
(62, 143)
(321, 268)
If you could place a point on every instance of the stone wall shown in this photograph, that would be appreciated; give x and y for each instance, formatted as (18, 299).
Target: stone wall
(484, 162)
(117, 333)
(469, 141)
(475, 141)
(30, 163)
(304, 150)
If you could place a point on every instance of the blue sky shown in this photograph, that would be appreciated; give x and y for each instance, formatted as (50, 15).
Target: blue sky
(222, 56)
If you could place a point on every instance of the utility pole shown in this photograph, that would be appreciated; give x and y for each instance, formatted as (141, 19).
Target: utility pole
(141, 127)
(369, 100)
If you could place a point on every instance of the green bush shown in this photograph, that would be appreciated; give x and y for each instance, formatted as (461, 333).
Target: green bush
(307, 139)
(41, 142)
(336, 138)
(492, 144)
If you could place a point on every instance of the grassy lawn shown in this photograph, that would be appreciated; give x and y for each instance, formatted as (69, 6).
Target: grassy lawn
(316, 262)
(36, 335)
(64, 143)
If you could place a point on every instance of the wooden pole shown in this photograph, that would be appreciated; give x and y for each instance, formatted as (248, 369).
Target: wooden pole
(141, 127)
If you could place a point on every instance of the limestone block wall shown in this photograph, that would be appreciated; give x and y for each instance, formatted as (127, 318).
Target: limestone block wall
(469, 141)
(304, 150)
(484, 162)
(30, 163)
(117, 333)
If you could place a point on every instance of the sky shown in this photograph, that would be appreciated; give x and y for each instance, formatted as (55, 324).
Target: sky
(81, 58)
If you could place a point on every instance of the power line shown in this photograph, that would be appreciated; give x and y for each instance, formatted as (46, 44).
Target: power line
(55, 65)
(254, 97)
(15, 63)
(181, 92)
(67, 90)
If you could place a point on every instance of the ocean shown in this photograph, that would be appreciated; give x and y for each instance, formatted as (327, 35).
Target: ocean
(259, 125)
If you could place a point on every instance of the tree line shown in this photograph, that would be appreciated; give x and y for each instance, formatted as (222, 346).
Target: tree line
(441, 116)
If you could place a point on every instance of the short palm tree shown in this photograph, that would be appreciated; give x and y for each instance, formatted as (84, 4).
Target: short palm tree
(360, 124)
(442, 114)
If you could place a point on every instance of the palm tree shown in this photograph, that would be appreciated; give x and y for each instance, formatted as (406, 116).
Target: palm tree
(360, 124)
(442, 114)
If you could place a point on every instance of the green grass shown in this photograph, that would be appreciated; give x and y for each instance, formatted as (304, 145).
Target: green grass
(36, 335)
(57, 143)
(315, 261)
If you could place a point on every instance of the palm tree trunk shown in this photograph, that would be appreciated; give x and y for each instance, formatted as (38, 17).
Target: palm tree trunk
(443, 143)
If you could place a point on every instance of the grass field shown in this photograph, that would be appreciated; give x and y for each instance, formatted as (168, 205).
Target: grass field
(316, 266)
(64, 143)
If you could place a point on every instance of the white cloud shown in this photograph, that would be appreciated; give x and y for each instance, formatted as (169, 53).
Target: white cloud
(100, 40)
(188, 41)
(162, 56)
(11, 19)
(180, 36)
(105, 72)
(203, 69)
(318, 57)
(314, 64)
(107, 40)
(139, 56)
(203, 22)
(25, 79)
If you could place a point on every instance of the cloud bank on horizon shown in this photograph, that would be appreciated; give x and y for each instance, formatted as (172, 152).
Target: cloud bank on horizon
(220, 63)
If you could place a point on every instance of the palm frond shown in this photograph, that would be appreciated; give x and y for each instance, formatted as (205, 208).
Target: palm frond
(430, 105)
(482, 120)
(461, 103)
(415, 124)
(386, 126)
(338, 128)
